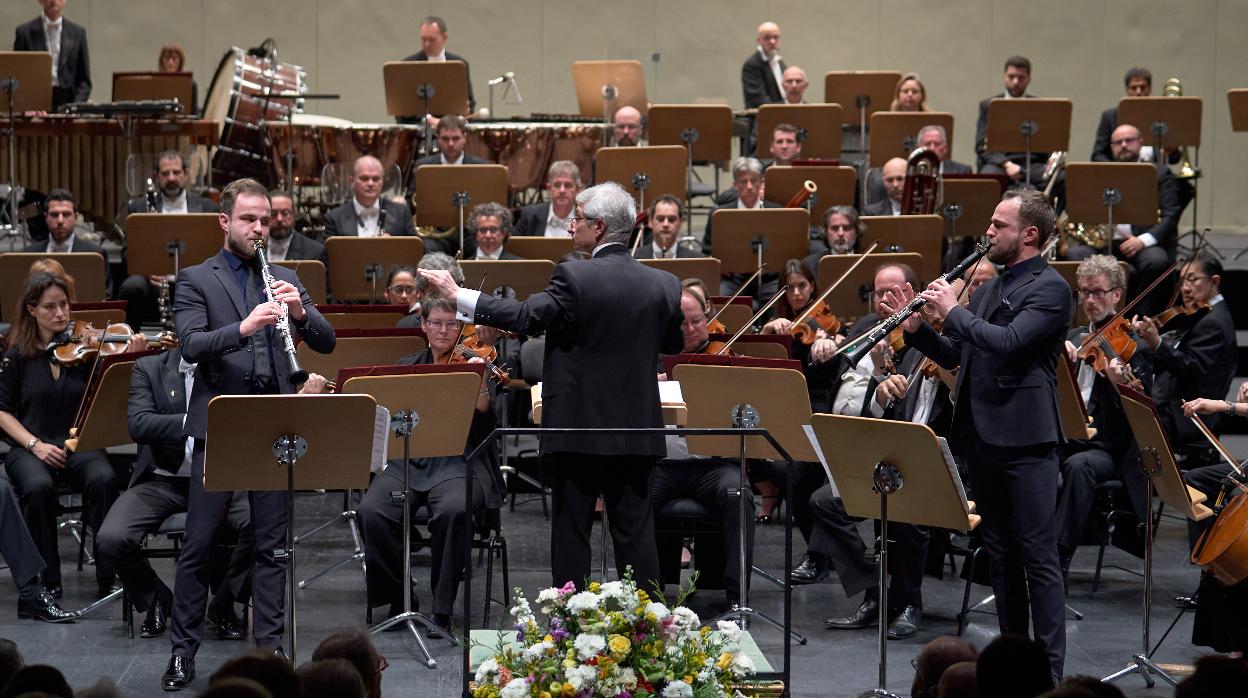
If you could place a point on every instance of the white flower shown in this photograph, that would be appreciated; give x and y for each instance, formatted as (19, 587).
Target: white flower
(730, 631)
(659, 610)
(589, 645)
(581, 677)
(521, 611)
(675, 689)
(516, 688)
(685, 618)
(742, 665)
(547, 596)
(627, 678)
(487, 671)
(538, 650)
(583, 601)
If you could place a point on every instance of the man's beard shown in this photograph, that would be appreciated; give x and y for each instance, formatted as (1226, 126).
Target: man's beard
(172, 191)
(1001, 253)
(839, 247)
(243, 248)
(1128, 156)
(276, 233)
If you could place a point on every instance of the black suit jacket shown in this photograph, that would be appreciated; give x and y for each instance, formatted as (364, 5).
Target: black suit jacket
(304, 247)
(341, 220)
(208, 309)
(992, 157)
(606, 319)
(758, 83)
(73, 69)
(1113, 432)
(883, 207)
(1008, 355)
(1172, 198)
(1199, 363)
(436, 159)
(941, 415)
(1101, 152)
(472, 100)
(81, 245)
(646, 251)
(155, 412)
(706, 241)
(532, 219)
(194, 204)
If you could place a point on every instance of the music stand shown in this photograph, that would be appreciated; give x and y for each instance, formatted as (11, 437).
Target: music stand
(523, 277)
(895, 134)
(862, 93)
(32, 71)
(894, 472)
(1237, 102)
(441, 404)
(328, 437)
(834, 186)
(750, 237)
(644, 171)
(1157, 462)
(161, 244)
(1027, 126)
(969, 200)
(311, 273)
(851, 298)
(446, 193)
(775, 399)
(704, 129)
(424, 89)
(1072, 412)
(705, 269)
(87, 268)
(921, 234)
(140, 86)
(602, 87)
(1169, 123)
(357, 265)
(532, 247)
(1111, 193)
(818, 129)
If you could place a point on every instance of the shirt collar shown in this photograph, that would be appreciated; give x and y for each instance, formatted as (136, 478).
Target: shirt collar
(178, 201)
(184, 366)
(440, 56)
(361, 208)
(456, 161)
(658, 251)
(69, 241)
(58, 22)
(236, 263)
(485, 255)
(757, 204)
(1019, 268)
(604, 245)
(775, 58)
(1216, 299)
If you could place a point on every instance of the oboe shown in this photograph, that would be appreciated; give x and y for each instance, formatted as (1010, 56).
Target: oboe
(297, 376)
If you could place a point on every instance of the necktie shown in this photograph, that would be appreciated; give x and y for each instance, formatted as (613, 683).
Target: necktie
(261, 350)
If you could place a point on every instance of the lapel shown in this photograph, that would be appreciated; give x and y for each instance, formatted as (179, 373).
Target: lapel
(38, 40)
(67, 48)
(352, 223)
(295, 250)
(221, 269)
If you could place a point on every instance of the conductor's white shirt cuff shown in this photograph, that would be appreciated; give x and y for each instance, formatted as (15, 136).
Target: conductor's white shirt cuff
(466, 303)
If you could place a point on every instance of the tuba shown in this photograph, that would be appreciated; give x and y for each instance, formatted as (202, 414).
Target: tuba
(922, 183)
(1174, 88)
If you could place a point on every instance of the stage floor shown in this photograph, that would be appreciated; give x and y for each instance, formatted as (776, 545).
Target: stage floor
(832, 664)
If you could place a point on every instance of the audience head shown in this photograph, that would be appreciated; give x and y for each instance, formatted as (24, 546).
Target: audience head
(934, 658)
(958, 681)
(747, 179)
(1013, 666)
(769, 38)
(934, 138)
(490, 225)
(331, 678)
(172, 58)
(451, 133)
(38, 678)
(60, 213)
(281, 214)
(235, 688)
(626, 126)
(173, 171)
(563, 183)
(355, 647)
(275, 674)
(665, 220)
(785, 144)
(1125, 143)
(11, 660)
(433, 35)
(1215, 675)
(367, 179)
(605, 213)
(894, 173)
(1138, 81)
(911, 95)
(1017, 75)
(1086, 686)
(842, 228)
(794, 81)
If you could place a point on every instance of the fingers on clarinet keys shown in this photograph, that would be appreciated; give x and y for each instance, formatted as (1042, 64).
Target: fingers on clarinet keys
(813, 568)
(43, 607)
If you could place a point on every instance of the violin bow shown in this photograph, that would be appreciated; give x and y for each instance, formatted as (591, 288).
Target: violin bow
(1134, 301)
(810, 308)
(766, 306)
(736, 295)
(459, 341)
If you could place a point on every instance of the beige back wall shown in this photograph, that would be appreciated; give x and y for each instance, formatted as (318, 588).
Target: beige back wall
(1079, 49)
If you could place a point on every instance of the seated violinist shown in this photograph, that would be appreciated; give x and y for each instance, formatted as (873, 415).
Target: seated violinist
(436, 483)
(1086, 462)
(39, 398)
(710, 481)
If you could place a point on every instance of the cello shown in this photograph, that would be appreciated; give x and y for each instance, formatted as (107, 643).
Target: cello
(1223, 548)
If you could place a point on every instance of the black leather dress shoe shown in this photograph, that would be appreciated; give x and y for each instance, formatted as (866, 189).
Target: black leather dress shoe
(868, 612)
(443, 621)
(814, 568)
(54, 589)
(179, 674)
(44, 607)
(906, 624)
(157, 620)
(281, 654)
(229, 627)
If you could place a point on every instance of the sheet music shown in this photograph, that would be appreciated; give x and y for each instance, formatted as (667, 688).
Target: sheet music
(381, 439)
(814, 443)
(953, 472)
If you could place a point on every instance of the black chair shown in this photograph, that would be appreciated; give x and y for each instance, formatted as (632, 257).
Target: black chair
(1110, 505)
(681, 519)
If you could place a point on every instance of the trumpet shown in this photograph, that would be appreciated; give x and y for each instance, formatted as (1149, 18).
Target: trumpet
(297, 375)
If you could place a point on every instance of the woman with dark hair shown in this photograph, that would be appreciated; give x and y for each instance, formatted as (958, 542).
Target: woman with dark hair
(38, 401)
(173, 60)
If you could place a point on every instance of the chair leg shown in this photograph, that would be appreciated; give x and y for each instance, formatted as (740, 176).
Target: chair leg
(973, 562)
(127, 614)
(1100, 553)
(489, 583)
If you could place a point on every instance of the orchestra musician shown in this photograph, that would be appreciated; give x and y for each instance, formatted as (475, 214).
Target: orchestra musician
(452, 136)
(762, 74)
(488, 227)
(436, 483)
(626, 127)
(67, 43)
(841, 230)
(1138, 83)
(1016, 78)
(795, 84)
(362, 214)
(858, 383)
(1149, 250)
(606, 320)
(172, 59)
(933, 138)
(402, 289)
(550, 219)
(39, 398)
(1006, 422)
(228, 329)
(893, 175)
(712, 482)
(284, 243)
(61, 215)
(433, 36)
(785, 146)
(910, 95)
(747, 185)
(1085, 463)
(666, 223)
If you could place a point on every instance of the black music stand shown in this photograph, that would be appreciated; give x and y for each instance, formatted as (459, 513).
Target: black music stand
(425, 89)
(445, 193)
(263, 438)
(1111, 193)
(895, 134)
(862, 93)
(870, 462)
(704, 129)
(644, 171)
(1027, 126)
(1173, 123)
(358, 265)
(442, 404)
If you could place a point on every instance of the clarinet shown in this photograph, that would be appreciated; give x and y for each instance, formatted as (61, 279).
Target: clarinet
(381, 219)
(297, 375)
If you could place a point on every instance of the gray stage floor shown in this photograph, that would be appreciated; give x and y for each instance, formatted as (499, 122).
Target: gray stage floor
(832, 664)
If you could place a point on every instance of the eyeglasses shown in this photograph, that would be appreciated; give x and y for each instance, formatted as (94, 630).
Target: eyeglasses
(1194, 279)
(694, 321)
(1096, 293)
(574, 219)
(489, 229)
(440, 325)
(402, 290)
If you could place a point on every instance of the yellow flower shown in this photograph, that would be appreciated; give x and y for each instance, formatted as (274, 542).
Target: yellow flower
(548, 638)
(568, 689)
(725, 661)
(619, 647)
(544, 694)
(594, 587)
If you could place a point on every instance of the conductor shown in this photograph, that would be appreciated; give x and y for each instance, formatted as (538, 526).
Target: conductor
(606, 321)
(1006, 423)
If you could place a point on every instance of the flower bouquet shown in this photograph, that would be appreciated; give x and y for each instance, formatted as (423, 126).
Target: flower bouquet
(612, 641)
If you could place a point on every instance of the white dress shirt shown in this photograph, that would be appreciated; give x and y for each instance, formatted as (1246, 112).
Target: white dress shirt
(67, 246)
(440, 58)
(557, 227)
(458, 161)
(177, 205)
(774, 63)
(660, 253)
(757, 204)
(52, 34)
(367, 219)
(184, 470)
(482, 254)
(278, 248)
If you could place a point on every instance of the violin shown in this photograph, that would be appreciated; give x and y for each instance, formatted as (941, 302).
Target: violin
(471, 347)
(716, 327)
(1180, 317)
(82, 341)
(817, 317)
(1113, 341)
